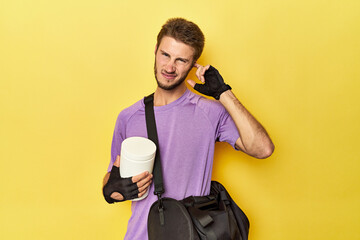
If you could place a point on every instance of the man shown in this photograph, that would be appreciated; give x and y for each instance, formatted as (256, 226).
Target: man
(188, 126)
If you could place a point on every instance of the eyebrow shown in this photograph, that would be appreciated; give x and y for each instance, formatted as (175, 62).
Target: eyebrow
(179, 58)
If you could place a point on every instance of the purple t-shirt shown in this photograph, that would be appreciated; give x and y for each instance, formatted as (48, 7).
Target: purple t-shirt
(187, 130)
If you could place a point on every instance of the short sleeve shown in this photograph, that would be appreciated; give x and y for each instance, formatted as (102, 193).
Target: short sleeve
(118, 137)
(227, 130)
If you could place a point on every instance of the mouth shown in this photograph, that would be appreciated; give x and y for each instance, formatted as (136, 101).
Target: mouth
(169, 76)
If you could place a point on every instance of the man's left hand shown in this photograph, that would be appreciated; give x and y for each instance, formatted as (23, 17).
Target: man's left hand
(213, 84)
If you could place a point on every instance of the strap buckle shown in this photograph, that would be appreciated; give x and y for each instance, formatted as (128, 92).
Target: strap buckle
(161, 206)
(161, 209)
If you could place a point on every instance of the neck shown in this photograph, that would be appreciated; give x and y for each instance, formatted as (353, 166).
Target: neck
(163, 97)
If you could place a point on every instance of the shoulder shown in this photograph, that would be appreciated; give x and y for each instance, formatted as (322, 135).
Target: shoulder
(209, 106)
(127, 113)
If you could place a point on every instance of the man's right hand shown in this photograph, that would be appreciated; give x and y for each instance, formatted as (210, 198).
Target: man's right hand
(118, 189)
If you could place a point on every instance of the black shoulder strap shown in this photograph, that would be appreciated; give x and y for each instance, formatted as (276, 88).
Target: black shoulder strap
(152, 135)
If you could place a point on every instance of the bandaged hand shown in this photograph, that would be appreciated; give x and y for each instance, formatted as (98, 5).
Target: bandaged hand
(213, 84)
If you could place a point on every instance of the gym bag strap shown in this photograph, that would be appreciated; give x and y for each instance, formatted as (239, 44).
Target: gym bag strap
(212, 217)
(152, 135)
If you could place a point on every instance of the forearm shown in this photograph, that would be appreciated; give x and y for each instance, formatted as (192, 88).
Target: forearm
(254, 139)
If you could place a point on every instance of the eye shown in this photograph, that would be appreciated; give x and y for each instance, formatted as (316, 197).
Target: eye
(165, 54)
(182, 60)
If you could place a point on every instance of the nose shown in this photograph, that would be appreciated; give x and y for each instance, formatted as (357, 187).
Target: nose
(170, 66)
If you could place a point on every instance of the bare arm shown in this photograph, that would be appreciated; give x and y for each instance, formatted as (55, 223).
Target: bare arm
(253, 139)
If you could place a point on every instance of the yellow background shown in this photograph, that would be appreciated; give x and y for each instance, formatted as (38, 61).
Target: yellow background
(68, 67)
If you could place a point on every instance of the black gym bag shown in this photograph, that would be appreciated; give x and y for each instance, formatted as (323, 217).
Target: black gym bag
(212, 217)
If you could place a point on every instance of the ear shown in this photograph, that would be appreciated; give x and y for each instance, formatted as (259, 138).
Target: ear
(156, 47)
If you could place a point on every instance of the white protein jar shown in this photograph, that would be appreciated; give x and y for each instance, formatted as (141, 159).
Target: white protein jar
(137, 156)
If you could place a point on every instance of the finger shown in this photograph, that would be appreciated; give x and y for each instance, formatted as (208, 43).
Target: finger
(145, 187)
(199, 75)
(144, 181)
(132, 194)
(140, 194)
(204, 69)
(197, 65)
(139, 177)
(117, 196)
(191, 82)
(117, 161)
(115, 173)
(202, 88)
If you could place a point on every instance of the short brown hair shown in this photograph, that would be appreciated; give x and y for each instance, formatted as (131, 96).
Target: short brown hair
(184, 31)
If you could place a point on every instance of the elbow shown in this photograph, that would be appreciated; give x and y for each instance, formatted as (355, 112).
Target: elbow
(266, 151)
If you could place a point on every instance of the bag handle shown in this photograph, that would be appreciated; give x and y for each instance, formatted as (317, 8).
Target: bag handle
(152, 135)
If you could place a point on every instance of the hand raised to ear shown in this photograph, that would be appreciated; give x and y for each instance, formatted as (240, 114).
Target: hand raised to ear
(213, 84)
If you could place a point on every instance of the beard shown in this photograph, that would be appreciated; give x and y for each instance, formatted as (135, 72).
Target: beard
(174, 84)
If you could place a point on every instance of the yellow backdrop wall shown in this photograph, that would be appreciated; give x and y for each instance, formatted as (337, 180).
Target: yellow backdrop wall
(67, 68)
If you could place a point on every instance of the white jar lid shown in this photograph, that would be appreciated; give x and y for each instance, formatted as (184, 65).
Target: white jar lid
(138, 148)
